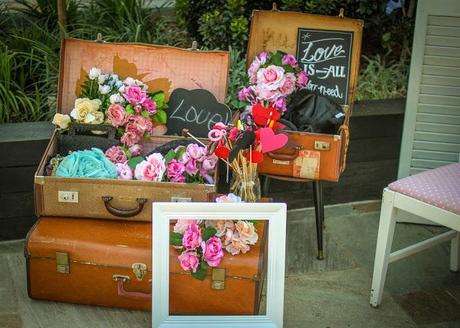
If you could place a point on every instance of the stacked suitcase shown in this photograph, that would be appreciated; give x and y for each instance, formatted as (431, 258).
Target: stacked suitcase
(92, 241)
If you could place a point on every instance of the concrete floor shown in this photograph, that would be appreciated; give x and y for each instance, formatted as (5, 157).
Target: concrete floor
(420, 291)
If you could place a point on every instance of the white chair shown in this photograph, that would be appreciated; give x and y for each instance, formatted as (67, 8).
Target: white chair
(433, 195)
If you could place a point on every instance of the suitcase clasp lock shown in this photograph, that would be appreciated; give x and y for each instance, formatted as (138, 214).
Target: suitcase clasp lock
(139, 270)
(322, 145)
(62, 262)
(218, 279)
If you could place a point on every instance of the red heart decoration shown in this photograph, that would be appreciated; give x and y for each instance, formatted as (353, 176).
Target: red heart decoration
(255, 156)
(271, 141)
(222, 152)
(262, 115)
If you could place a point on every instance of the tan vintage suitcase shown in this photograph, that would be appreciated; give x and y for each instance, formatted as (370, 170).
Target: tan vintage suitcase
(313, 156)
(108, 263)
(161, 68)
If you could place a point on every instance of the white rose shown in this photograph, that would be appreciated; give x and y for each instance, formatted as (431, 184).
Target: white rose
(89, 118)
(121, 89)
(61, 121)
(101, 79)
(116, 98)
(104, 89)
(83, 107)
(130, 81)
(94, 73)
(114, 77)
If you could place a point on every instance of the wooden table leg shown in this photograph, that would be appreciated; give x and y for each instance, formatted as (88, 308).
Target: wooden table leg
(266, 186)
(319, 214)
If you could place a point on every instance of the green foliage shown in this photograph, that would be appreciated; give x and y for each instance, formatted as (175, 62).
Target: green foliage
(201, 271)
(30, 42)
(175, 239)
(382, 80)
(237, 77)
(224, 27)
(218, 24)
(208, 233)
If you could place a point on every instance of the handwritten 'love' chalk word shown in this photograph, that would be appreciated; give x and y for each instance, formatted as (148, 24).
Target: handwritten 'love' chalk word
(196, 110)
(326, 56)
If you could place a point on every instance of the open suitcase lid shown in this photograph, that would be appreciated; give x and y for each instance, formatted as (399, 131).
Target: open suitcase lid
(327, 47)
(160, 67)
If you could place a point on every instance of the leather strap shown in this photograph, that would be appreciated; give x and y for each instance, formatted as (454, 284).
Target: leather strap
(135, 295)
(345, 133)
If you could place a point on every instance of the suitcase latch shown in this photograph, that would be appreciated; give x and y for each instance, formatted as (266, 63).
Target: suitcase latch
(322, 145)
(218, 279)
(139, 270)
(62, 262)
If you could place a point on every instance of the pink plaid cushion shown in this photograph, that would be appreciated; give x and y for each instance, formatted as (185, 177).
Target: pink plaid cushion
(439, 187)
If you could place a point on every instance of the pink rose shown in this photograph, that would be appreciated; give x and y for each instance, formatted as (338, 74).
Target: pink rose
(189, 261)
(236, 246)
(245, 94)
(134, 94)
(177, 178)
(280, 104)
(247, 232)
(302, 79)
(264, 94)
(175, 169)
(263, 57)
(136, 150)
(196, 152)
(212, 251)
(191, 167)
(151, 169)
(183, 224)
(150, 106)
(143, 124)
(124, 171)
(289, 84)
(206, 176)
(272, 77)
(138, 109)
(116, 114)
(252, 71)
(116, 154)
(230, 198)
(289, 59)
(130, 138)
(210, 163)
(192, 237)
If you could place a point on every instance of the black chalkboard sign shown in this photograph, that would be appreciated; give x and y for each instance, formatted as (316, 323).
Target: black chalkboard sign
(196, 110)
(326, 56)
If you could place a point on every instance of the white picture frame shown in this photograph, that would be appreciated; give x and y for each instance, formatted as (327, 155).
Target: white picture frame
(274, 213)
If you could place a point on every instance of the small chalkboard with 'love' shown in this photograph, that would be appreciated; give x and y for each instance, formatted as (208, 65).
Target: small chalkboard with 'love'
(326, 56)
(196, 110)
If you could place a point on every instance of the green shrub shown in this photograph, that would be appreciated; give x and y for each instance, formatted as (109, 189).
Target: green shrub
(30, 42)
(382, 80)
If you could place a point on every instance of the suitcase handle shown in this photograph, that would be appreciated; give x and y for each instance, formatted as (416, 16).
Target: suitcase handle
(126, 293)
(123, 212)
(286, 157)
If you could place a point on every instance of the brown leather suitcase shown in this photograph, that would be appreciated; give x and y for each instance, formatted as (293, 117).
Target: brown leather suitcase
(161, 68)
(312, 156)
(108, 263)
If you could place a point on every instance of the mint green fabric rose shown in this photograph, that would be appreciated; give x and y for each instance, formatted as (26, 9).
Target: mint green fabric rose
(87, 164)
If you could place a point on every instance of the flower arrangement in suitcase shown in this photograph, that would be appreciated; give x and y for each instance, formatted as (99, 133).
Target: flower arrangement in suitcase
(272, 78)
(203, 243)
(136, 114)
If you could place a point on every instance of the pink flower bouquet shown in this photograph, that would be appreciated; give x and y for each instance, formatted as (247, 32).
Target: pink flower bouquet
(126, 104)
(201, 244)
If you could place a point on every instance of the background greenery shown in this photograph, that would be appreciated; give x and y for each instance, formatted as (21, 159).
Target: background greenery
(30, 40)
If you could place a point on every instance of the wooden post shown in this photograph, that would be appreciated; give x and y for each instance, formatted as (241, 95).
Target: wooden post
(61, 16)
